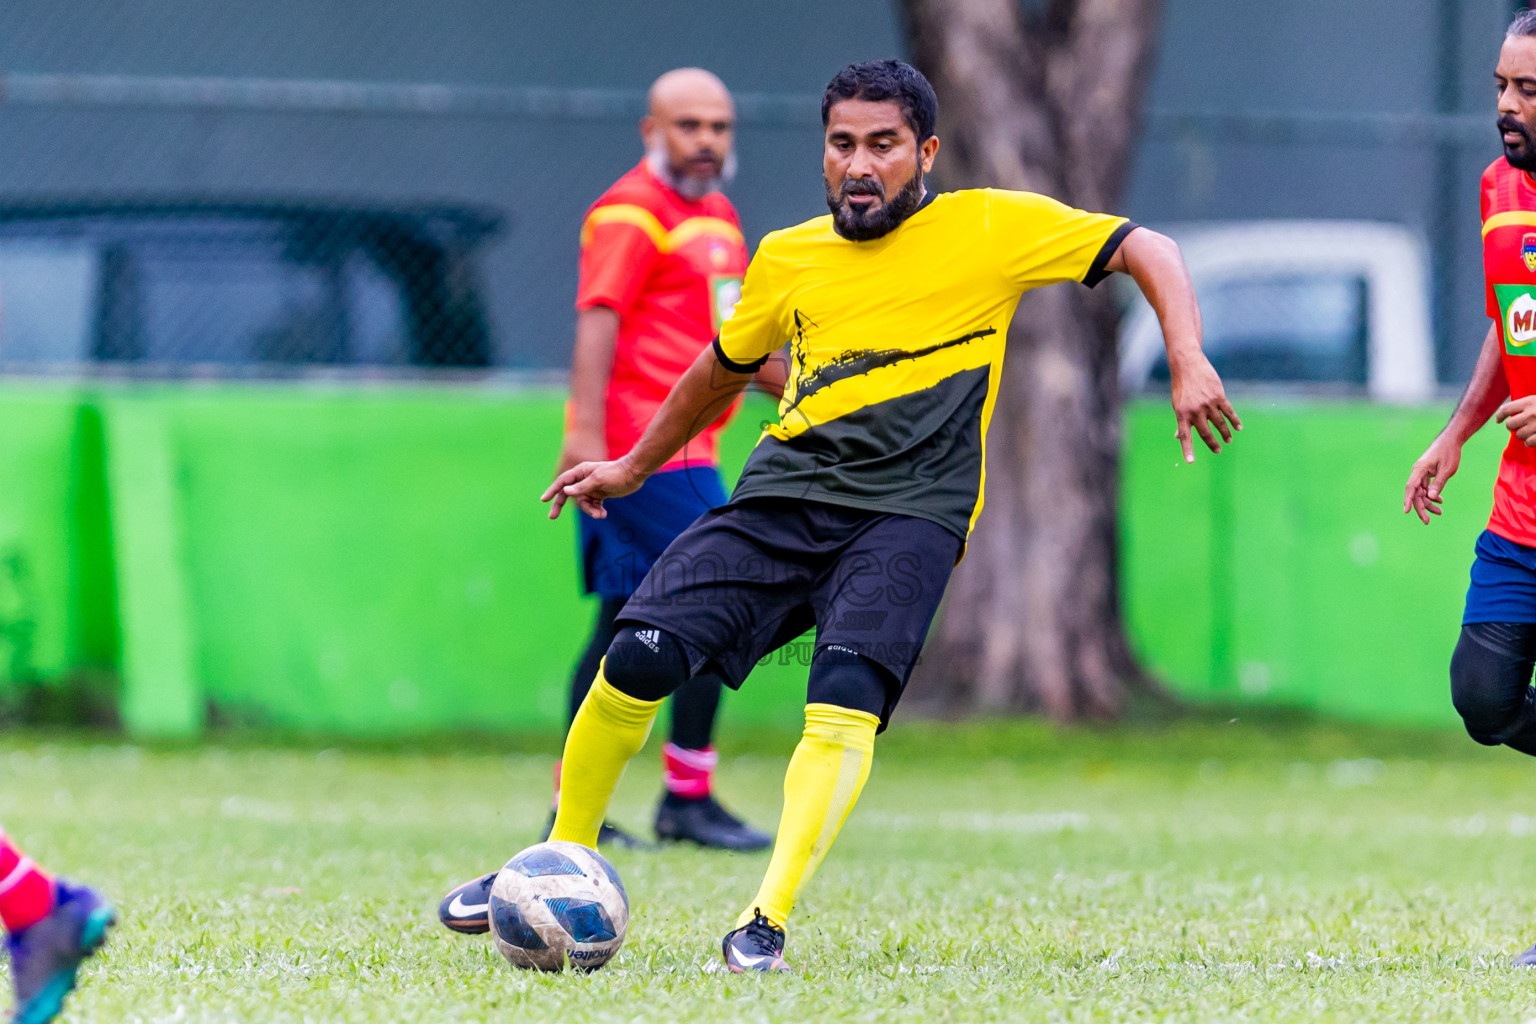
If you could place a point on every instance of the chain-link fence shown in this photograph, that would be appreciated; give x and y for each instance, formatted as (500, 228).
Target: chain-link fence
(289, 188)
(292, 187)
(146, 273)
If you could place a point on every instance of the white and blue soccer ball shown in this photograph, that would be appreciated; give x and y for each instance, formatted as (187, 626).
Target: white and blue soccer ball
(556, 904)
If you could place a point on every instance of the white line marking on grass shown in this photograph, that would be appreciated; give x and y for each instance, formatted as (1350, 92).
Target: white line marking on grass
(1363, 771)
(978, 821)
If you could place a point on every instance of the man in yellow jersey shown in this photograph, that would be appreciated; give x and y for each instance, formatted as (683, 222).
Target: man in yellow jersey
(855, 506)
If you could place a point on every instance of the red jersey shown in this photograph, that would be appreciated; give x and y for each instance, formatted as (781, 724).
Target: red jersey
(1509, 273)
(671, 268)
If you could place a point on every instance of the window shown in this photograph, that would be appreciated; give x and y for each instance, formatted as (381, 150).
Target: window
(1296, 329)
(173, 286)
(47, 300)
(204, 301)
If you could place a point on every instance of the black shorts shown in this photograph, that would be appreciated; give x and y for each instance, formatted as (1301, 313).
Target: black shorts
(751, 576)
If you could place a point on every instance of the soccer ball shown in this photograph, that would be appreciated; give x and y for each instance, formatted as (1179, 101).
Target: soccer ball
(558, 903)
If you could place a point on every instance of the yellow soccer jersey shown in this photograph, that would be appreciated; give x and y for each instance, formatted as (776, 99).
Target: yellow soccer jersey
(897, 346)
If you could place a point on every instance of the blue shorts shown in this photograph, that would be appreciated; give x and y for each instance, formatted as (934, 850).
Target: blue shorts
(1503, 582)
(617, 552)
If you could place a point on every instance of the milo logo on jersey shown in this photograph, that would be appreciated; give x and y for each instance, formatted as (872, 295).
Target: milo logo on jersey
(1517, 314)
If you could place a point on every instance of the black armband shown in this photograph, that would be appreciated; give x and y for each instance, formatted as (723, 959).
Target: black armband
(732, 365)
(1097, 271)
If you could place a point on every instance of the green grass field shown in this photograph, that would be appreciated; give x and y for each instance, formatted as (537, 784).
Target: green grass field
(1202, 871)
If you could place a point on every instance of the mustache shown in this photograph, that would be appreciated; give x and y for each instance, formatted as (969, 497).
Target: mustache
(1509, 123)
(862, 187)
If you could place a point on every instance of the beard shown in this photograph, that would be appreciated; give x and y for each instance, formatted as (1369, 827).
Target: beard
(862, 225)
(1521, 155)
(686, 185)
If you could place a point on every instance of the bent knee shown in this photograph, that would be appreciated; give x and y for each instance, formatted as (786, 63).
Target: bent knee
(645, 662)
(846, 679)
(1488, 687)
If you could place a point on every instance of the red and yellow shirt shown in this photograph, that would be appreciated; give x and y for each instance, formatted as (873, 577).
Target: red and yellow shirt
(1509, 273)
(671, 268)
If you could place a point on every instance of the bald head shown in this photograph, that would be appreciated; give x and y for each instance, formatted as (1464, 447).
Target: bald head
(688, 87)
(689, 131)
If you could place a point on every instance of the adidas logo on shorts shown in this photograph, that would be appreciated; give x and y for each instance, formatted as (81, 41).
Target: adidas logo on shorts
(650, 637)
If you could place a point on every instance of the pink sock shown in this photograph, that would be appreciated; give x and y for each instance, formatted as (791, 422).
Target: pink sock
(26, 891)
(689, 773)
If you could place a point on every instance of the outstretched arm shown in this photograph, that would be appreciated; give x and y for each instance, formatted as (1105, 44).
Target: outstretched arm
(696, 400)
(1199, 402)
(1485, 391)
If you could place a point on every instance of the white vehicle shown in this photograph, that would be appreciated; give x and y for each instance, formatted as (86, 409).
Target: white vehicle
(1321, 306)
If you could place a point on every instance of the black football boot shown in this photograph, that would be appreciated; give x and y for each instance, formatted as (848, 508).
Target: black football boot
(757, 945)
(466, 909)
(703, 821)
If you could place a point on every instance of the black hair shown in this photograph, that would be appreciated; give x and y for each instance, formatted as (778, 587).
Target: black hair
(877, 80)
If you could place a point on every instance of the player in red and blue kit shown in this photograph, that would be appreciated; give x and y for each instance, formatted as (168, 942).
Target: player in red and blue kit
(1491, 667)
(662, 260)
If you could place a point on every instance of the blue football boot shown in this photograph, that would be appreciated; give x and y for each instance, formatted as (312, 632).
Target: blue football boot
(45, 957)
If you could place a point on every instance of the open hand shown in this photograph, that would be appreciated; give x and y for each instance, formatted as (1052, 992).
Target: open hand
(1200, 403)
(1427, 480)
(589, 483)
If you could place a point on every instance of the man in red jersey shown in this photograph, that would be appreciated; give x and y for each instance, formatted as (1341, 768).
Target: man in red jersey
(1491, 667)
(662, 259)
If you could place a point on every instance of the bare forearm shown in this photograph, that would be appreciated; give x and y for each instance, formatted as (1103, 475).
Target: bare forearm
(1485, 392)
(1153, 261)
(597, 331)
(700, 395)
(1199, 401)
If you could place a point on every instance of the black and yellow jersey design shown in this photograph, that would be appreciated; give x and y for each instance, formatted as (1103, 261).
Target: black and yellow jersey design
(897, 346)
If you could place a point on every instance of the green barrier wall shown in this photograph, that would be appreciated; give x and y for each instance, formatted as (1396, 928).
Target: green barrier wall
(376, 561)
(56, 612)
(1284, 571)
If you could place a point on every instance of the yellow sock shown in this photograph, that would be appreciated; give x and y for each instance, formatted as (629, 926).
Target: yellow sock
(824, 778)
(610, 728)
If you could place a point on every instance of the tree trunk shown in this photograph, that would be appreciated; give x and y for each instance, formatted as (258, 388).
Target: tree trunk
(1050, 103)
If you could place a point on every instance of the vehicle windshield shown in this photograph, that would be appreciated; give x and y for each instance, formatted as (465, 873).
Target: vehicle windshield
(1289, 329)
(229, 291)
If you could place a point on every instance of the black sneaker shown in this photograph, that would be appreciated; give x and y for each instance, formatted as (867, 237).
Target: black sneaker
(1526, 959)
(45, 957)
(608, 834)
(757, 945)
(705, 822)
(467, 909)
